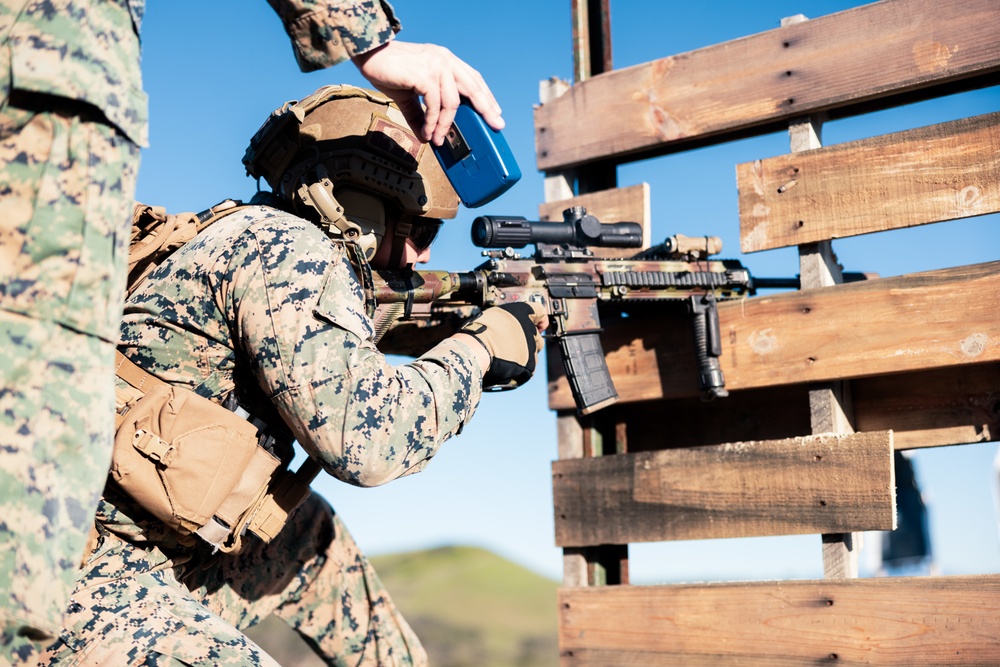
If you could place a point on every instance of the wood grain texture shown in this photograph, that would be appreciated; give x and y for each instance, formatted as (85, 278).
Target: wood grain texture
(945, 406)
(879, 53)
(755, 414)
(899, 622)
(930, 174)
(813, 484)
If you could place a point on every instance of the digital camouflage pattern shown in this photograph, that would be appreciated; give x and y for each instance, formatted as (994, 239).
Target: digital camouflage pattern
(152, 599)
(326, 32)
(263, 303)
(89, 50)
(72, 115)
(86, 50)
(65, 196)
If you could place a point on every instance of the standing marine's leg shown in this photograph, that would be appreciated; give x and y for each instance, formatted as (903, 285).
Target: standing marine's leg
(314, 577)
(67, 182)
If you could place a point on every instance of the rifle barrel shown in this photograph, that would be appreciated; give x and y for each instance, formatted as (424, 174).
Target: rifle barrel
(795, 283)
(775, 283)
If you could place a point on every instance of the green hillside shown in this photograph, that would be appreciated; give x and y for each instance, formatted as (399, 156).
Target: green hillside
(469, 607)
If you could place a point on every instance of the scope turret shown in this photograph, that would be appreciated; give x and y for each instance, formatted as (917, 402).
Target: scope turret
(578, 229)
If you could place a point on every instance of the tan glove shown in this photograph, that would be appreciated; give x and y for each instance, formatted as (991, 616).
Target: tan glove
(510, 334)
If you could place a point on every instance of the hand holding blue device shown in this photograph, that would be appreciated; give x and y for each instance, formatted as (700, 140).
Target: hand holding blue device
(476, 159)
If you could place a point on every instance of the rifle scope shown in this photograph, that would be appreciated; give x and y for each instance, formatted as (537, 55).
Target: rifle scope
(577, 230)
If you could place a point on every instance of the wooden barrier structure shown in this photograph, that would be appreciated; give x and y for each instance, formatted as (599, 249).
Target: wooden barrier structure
(805, 441)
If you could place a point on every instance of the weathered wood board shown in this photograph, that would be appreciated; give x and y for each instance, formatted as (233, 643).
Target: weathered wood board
(931, 174)
(753, 84)
(904, 622)
(812, 484)
(629, 204)
(946, 406)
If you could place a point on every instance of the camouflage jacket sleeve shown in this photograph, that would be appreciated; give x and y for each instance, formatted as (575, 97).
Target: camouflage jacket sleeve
(326, 32)
(295, 306)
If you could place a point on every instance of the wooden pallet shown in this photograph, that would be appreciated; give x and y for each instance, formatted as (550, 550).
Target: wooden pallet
(825, 382)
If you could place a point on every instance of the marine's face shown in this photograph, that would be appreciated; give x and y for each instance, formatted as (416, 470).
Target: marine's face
(411, 255)
(416, 246)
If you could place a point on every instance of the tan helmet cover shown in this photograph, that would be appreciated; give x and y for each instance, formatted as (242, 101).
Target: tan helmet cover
(344, 137)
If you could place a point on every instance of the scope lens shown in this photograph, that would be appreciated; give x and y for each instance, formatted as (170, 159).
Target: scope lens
(482, 232)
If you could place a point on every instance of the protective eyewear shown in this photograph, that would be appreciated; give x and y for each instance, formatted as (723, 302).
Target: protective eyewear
(423, 231)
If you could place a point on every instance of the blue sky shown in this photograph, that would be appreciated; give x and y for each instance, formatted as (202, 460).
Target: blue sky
(215, 70)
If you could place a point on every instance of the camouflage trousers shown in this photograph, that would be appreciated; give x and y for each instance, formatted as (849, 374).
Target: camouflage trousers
(67, 182)
(170, 604)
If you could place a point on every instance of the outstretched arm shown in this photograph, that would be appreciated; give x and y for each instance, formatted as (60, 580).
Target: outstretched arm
(425, 80)
(409, 72)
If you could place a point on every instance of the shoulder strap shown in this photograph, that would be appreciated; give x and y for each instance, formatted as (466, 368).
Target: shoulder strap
(157, 234)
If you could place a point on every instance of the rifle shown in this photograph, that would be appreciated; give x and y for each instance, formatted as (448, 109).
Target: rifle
(566, 277)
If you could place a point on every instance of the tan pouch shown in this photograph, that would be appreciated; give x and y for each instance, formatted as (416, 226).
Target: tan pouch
(181, 456)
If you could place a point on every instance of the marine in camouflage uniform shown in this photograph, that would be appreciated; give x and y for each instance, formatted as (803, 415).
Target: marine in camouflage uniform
(72, 119)
(268, 306)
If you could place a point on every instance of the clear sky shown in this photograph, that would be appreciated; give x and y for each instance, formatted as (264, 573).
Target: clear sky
(215, 70)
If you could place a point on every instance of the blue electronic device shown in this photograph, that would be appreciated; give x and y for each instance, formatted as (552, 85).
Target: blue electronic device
(476, 159)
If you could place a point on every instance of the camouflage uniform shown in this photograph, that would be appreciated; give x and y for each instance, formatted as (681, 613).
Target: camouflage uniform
(263, 303)
(72, 118)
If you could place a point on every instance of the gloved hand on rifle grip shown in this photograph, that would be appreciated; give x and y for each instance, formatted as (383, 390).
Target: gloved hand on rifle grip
(510, 333)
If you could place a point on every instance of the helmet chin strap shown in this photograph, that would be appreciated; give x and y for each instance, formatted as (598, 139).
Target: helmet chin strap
(399, 242)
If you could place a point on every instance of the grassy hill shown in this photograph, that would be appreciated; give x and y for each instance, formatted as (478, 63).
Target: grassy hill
(468, 606)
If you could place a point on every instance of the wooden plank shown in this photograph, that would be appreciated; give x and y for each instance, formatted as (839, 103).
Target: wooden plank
(650, 355)
(931, 408)
(947, 406)
(904, 622)
(812, 484)
(920, 321)
(930, 174)
(630, 204)
(755, 414)
(875, 55)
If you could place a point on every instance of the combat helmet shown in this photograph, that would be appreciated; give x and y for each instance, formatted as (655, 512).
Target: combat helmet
(345, 147)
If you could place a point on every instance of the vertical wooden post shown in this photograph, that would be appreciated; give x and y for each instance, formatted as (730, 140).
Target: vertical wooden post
(559, 185)
(829, 402)
(578, 437)
(571, 446)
